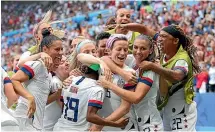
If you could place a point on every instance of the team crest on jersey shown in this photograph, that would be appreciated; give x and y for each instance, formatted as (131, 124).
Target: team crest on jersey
(120, 82)
(73, 89)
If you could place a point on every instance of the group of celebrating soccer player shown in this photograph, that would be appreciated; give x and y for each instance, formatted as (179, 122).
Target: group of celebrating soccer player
(131, 78)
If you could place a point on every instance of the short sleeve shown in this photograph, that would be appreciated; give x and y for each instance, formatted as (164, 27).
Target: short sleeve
(182, 66)
(96, 98)
(31, 68)
(129, 86)
(147, 78)
(16, 68)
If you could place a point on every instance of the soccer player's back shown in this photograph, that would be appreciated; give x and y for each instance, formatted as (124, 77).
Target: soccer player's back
(83, 92)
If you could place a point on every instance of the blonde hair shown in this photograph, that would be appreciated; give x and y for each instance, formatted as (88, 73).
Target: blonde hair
(47, 19)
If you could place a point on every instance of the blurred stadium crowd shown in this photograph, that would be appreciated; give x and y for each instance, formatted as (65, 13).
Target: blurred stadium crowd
(88, 19)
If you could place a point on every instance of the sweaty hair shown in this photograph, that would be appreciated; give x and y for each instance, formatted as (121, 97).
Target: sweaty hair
(48, 39)
(186, 43)
(101, 36)
(151, 56)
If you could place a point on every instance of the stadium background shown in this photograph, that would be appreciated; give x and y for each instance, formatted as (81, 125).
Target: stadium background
(88, 19)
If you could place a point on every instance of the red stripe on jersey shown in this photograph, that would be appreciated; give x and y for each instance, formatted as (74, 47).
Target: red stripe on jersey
(128, 85)
(147, 79)
(29, 69)
(95, 101)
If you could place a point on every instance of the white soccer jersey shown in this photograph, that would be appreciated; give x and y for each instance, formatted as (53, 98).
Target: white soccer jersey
(39, 87)
(147, 115)
(177, 114)
(112, 101)
(4, 80)
(8, 122)
(53, 111)
(83, 92)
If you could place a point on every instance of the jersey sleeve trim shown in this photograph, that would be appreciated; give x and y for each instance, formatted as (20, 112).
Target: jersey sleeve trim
(28, 70)
(183, 69)
(16, 69)
(129, 86)
(146, 81)
(7, 80)
(95, 103)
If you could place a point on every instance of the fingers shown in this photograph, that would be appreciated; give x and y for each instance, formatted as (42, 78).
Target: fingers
(108, 75)
(76, 72)
(67, 81)
(48, 61)
(31, 109)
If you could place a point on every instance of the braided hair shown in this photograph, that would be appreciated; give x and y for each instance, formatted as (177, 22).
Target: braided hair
(186, 43)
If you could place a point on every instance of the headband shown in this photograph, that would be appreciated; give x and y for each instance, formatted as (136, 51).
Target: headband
(175, 33)
(81, 44)
(113, 38)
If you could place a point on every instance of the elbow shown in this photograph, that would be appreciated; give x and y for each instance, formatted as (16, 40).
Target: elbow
(89, 118)
(136, 100)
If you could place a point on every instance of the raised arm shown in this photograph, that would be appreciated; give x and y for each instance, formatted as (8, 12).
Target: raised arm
(139, 28)
(89, 60)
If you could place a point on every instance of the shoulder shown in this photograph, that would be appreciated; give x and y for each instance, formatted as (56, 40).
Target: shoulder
(25, 54)
(55, 79)
(34, 64)
(98, 88)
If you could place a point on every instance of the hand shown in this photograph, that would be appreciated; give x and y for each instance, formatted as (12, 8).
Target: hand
(146, 65)
(107, 72)
(122, 122)
(130, 77)
(76, 72)
(46, 59)
(31, 106)
(95, 128)
(67, 81)
(103, 82)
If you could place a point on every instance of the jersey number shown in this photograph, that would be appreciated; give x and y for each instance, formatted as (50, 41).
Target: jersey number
(108, 94)
(176, 123)
(72, 104)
